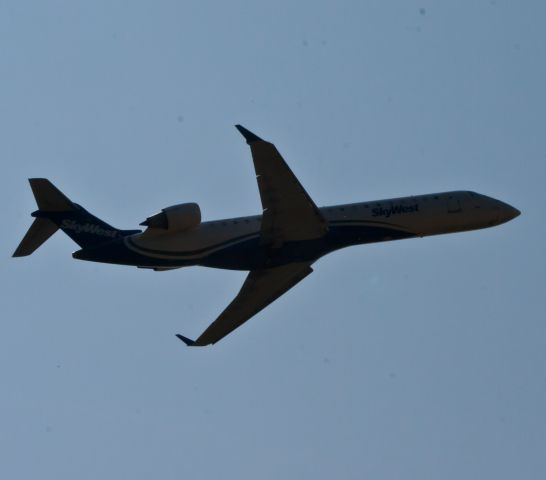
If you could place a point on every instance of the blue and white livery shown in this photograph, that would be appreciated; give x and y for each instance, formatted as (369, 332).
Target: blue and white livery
(277, 247)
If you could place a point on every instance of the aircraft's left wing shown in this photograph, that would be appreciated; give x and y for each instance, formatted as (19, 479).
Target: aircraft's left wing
(261, 288)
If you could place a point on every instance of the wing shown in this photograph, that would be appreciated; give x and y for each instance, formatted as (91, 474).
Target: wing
(289, 213)
(261, 288)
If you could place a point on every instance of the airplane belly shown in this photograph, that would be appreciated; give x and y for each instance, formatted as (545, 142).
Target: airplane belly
(231, 249)
(245, 255)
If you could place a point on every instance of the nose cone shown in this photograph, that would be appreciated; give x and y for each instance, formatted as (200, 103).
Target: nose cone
(507, 212)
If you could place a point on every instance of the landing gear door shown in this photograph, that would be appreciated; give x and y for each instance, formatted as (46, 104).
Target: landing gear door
(453, 204)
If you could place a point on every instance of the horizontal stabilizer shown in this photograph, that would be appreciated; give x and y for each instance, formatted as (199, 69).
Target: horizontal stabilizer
(40, 230)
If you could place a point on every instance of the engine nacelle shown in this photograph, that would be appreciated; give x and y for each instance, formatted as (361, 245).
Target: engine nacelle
(176, 218)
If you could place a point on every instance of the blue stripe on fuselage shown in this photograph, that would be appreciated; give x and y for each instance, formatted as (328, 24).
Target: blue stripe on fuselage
(248, 254)
(251, 255)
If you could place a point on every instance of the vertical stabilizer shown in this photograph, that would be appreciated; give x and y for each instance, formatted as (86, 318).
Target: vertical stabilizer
(48, 197)
(56, 210)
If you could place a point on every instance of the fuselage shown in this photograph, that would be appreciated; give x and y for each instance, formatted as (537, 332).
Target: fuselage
(236, 244)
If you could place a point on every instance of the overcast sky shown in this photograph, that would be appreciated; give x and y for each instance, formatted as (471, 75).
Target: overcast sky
(419, 359)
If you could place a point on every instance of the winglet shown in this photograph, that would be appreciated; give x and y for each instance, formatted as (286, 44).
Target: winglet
(249, 136)
(187, 341)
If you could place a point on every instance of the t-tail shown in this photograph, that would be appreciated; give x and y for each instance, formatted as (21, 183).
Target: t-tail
(56, 211)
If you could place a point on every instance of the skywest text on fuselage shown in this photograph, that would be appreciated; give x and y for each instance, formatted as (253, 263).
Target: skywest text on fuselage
(394, 210)
(88, 228)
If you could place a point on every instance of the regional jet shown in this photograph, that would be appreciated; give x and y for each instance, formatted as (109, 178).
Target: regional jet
(277, 247)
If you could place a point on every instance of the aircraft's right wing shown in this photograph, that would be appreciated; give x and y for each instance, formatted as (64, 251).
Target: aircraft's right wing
(261, 288)
(289, 213)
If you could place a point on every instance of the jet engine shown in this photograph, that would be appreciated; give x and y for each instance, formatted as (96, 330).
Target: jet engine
(176, 218)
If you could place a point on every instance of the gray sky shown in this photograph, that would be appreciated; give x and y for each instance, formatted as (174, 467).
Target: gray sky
(418, 359)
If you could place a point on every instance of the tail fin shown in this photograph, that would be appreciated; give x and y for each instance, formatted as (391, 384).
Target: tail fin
(48, 197)
(56, 211)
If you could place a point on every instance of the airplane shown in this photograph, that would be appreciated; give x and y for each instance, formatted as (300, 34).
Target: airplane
(277, 247)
